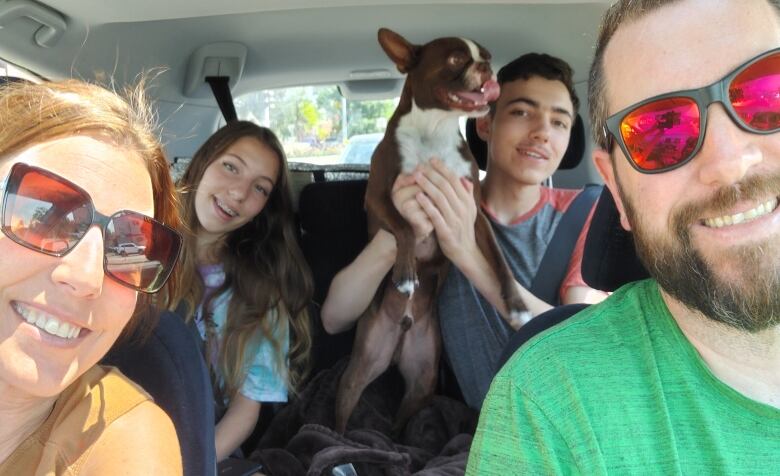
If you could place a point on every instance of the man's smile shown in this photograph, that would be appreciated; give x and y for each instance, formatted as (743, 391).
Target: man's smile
(762, 209)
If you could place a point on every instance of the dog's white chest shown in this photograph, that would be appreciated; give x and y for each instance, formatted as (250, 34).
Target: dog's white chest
(425, 134)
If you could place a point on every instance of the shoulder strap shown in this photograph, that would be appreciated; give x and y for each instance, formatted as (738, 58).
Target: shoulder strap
(552, 269)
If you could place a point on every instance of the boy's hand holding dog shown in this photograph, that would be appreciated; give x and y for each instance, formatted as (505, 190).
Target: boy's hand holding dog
(404, 193)
(448, 202)
(432, 198)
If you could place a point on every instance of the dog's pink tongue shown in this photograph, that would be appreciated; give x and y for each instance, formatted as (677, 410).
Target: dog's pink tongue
(489, 92)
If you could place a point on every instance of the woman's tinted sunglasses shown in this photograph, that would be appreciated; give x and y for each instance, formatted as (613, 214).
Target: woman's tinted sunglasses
(49, 214)
(666, 131)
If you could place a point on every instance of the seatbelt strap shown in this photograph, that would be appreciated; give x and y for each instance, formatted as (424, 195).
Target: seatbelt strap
(220, 87)
(555, 262)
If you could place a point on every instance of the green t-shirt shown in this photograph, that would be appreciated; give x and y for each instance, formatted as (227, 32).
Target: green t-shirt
(618, 389)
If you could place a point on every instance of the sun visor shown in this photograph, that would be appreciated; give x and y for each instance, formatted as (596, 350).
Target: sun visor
(362, 89)
(215, 59)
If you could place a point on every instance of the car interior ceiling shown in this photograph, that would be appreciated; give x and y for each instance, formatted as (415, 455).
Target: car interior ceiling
(123, 41)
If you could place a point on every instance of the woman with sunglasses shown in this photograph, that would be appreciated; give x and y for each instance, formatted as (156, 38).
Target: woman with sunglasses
(82, 171)
(245, 283)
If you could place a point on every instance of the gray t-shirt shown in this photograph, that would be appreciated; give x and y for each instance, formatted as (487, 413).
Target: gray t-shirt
(474, 334)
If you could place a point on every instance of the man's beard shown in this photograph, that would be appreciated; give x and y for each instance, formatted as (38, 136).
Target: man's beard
(752, 301)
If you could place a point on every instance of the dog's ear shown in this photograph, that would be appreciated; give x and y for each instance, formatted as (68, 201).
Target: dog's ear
(403, 53)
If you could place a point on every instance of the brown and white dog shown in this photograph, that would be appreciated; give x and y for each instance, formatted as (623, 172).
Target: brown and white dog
(446, 78)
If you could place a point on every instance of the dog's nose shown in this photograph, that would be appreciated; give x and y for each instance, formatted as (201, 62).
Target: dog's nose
(484, 67)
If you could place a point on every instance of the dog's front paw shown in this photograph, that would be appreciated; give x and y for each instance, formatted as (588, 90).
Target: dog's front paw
(518, 314)
(518, 319)
(406, 285)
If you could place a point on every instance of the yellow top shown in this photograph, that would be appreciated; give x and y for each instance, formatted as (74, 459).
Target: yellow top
(62, 444)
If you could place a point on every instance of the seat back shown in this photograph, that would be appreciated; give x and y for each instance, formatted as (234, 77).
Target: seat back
(170, 367)
(610, 260)
(333, 232)
(333, 228)
(536, 325)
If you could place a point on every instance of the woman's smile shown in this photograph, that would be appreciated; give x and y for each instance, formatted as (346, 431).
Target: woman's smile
(49, 323)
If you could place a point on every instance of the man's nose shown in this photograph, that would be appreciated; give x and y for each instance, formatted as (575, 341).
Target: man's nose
(728, 152)
(81, 270)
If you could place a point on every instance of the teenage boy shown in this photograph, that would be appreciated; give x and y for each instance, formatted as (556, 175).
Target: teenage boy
(678, 374)
(527, 133)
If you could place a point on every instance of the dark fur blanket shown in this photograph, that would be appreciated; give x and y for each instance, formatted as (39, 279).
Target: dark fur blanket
(299, 440)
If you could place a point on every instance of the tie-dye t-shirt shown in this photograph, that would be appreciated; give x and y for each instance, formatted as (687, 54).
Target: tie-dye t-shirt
(263, 381)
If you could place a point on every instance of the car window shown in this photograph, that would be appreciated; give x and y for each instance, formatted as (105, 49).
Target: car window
(8, 70)
(318, 125)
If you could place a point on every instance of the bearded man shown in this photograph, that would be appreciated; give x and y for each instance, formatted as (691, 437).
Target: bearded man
(678, 374)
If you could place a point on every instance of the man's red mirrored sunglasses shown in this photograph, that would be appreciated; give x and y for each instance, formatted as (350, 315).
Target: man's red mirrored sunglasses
(666, 131)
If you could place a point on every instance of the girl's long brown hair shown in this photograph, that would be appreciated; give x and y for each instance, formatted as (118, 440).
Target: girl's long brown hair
(264, 267)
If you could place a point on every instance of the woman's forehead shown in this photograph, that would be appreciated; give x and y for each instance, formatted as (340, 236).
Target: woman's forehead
(115, 179)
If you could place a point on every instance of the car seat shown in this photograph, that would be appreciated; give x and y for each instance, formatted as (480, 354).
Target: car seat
(333, 232)
(170, 367)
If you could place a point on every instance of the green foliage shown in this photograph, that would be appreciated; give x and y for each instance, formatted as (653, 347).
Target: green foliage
(366, 117)
(305, 118)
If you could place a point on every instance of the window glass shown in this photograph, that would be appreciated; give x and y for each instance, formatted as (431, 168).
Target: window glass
(317, 125)
(9, 70)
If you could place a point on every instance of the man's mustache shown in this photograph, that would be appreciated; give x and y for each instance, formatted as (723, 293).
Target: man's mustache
(756, 187)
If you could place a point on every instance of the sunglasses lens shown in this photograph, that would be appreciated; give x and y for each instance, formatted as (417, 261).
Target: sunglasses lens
(49, 214)
(44, 213)
(661, 134)
(755, 94)
(140, 251)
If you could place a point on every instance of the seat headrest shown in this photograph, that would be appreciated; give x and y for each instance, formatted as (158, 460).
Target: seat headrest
(576, 149)
(334, 228)
(571, 158)
(609, 259)
(477, 146)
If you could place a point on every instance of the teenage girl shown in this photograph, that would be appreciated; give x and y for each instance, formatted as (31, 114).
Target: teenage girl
(244, 281)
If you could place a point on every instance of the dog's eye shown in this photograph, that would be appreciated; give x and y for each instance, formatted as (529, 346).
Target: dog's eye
(457, 59)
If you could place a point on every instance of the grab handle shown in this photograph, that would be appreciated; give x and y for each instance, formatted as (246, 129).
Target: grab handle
(53, 24)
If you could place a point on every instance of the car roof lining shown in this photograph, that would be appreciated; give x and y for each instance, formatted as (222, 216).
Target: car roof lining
(289, 43)
(338, 38)
(97, 12)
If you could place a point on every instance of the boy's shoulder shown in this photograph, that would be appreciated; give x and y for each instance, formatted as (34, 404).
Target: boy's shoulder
(559, 198)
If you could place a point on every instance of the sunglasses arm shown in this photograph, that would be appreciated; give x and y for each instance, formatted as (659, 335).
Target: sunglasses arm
(606, 139)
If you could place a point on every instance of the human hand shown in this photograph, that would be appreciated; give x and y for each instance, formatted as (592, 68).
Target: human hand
(448, 201)
(404, 193)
